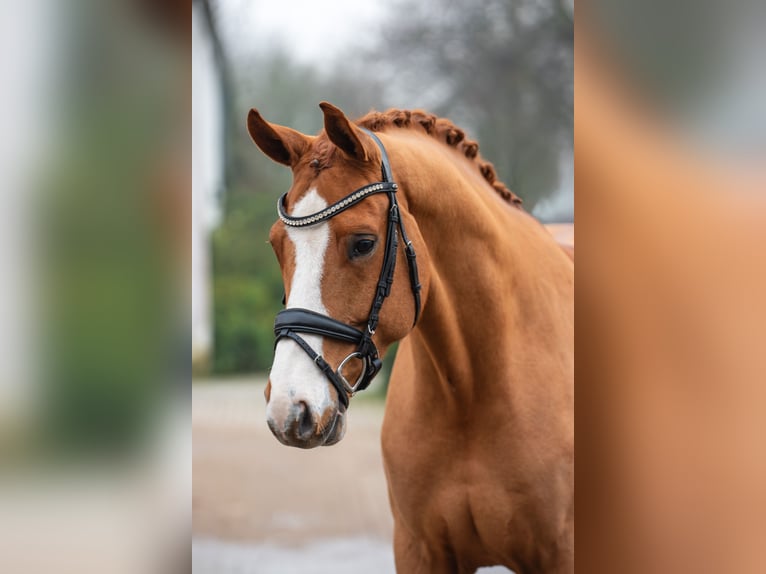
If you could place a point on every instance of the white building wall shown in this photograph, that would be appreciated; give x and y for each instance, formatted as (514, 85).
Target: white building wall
(207, 178)
(29, 125)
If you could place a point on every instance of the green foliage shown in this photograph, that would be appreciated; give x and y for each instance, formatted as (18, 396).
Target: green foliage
(244, 312)
(247, 284)
(110, 299)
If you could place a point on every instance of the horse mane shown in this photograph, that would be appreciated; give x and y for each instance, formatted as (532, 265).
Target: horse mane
(446, 132)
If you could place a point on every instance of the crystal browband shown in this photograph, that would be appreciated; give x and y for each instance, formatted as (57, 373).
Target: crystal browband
(335, 208)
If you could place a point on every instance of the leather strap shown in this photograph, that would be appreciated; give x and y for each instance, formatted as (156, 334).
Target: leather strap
(412, 264)
(307, 321)
(332, 210)
(385, 165)
(319, 362)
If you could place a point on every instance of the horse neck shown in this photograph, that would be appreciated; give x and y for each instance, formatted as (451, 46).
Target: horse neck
(497, 277)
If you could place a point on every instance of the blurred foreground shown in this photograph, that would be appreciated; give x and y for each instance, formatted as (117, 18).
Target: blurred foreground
(671, 314)
(95, 206)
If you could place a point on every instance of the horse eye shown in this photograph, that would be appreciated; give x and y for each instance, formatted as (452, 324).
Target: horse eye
(361, 247)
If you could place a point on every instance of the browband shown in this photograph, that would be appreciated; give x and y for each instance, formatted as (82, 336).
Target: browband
(335, 208)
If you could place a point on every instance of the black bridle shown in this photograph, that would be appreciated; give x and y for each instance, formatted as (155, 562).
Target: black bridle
(290, 322)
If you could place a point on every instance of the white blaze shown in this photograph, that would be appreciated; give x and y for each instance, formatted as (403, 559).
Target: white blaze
(294, 376)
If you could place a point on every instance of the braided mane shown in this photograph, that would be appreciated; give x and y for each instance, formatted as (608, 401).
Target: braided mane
(444, 131)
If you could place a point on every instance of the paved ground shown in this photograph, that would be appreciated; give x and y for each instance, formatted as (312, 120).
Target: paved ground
(260, 507)
(263, 507)
(336, 556)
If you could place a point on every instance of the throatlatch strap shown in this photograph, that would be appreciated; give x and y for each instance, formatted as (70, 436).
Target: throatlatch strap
(412, 265)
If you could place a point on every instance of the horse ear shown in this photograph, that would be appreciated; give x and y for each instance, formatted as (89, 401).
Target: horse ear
(283, 145)
(343, 133)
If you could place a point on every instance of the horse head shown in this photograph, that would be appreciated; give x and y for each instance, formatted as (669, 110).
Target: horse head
(339, 231)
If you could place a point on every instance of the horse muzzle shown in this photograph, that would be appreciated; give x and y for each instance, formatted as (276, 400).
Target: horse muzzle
(298, 424)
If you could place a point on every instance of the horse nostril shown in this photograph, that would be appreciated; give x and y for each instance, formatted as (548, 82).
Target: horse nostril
(305, 421)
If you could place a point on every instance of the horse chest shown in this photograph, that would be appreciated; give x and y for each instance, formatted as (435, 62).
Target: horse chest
(443, 492)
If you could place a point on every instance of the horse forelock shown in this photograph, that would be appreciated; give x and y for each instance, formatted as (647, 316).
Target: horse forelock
(322, 152)
(444, 131)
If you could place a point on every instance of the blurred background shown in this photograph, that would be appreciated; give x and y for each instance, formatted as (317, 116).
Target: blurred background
(99, 239)
(501, 70)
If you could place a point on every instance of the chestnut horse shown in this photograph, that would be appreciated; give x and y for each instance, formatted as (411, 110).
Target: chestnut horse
(478, 433)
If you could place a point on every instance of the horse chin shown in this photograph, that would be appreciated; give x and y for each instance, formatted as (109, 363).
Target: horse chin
(338, 430)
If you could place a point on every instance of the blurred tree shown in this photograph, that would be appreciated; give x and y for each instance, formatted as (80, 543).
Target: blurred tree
(503, 71)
